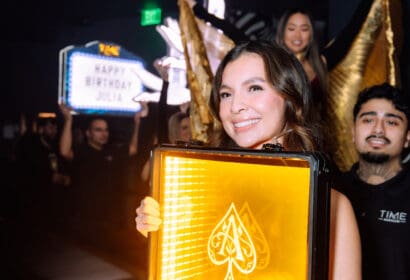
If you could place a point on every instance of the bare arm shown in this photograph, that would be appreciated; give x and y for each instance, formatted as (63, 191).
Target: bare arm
(66, 137)
(345, 250)
(133, 146)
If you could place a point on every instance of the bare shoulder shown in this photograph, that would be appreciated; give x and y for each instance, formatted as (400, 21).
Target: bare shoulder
(340, 204)
(338, 197)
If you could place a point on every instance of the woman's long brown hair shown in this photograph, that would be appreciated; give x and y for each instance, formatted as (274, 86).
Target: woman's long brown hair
(288, 77)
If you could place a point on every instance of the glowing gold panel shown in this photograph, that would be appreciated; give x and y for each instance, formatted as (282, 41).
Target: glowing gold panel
(229, 215)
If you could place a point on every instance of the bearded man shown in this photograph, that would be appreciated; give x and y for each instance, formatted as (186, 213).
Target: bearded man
(378, 185)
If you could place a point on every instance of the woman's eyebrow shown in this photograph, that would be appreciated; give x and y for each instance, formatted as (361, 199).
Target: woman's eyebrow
(246, 82)
(253, 80)
(224, 87)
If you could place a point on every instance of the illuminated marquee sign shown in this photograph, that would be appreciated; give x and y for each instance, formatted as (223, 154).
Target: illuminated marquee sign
(99, 78)
(239, 215)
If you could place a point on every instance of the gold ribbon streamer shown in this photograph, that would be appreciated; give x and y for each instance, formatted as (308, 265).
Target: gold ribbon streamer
(200, 39)
(200, 80)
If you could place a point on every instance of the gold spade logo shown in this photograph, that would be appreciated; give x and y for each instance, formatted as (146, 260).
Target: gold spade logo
(258, 238)
(231, 243)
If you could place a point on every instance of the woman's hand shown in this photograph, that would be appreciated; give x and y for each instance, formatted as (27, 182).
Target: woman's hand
(148, 216)
(162, 68)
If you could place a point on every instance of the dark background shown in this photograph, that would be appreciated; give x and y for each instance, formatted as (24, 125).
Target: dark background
(34, 31)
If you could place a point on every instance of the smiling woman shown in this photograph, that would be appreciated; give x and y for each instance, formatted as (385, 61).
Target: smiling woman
(260, 96)
(246, 101)
(296, 33)
(268, 86)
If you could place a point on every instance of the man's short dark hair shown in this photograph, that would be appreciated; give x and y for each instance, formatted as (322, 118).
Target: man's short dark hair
(383, 91)
(46, 121)
(90, 120)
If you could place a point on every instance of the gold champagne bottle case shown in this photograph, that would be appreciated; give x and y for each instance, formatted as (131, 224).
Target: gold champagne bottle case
(239, 214)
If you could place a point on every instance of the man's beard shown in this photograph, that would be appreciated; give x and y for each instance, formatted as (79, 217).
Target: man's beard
(375, 158)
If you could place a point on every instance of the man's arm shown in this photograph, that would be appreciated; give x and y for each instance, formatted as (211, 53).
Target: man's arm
(66, 137)
(133, 146)
(230, 30)
(161, 120)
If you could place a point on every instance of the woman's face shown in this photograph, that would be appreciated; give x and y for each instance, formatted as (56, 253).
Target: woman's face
(298, 33)
(184, 130)
(252, 111)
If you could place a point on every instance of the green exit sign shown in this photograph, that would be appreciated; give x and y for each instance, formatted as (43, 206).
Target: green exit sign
(151, 16)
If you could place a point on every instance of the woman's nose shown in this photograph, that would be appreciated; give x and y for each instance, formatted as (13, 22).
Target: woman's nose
(297, 33)
(238, 104)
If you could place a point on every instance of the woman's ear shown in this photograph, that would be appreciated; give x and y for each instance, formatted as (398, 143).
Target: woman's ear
(406, 143)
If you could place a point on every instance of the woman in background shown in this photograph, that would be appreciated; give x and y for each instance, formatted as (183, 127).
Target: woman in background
(179, 128)
(295, 32)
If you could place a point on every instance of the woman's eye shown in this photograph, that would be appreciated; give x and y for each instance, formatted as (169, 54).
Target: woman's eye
(224, 95)
(255, 88)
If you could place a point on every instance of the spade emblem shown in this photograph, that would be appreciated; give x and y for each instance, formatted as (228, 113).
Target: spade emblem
(259, 240)
(231, 243)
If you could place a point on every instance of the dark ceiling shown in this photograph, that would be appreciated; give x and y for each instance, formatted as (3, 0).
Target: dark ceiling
(40, 21)
(34, 31)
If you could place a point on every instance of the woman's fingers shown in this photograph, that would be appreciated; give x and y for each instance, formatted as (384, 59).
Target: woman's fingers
(150, 203)
(147, 223)
(148, 216)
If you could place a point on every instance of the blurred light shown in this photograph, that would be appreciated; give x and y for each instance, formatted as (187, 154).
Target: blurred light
(46, 115)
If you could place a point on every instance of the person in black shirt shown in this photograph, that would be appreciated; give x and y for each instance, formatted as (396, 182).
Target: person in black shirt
(378, 185)
(44, 178)
(99, 169)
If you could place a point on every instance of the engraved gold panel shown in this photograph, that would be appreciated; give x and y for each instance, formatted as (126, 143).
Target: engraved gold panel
(231, 216)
